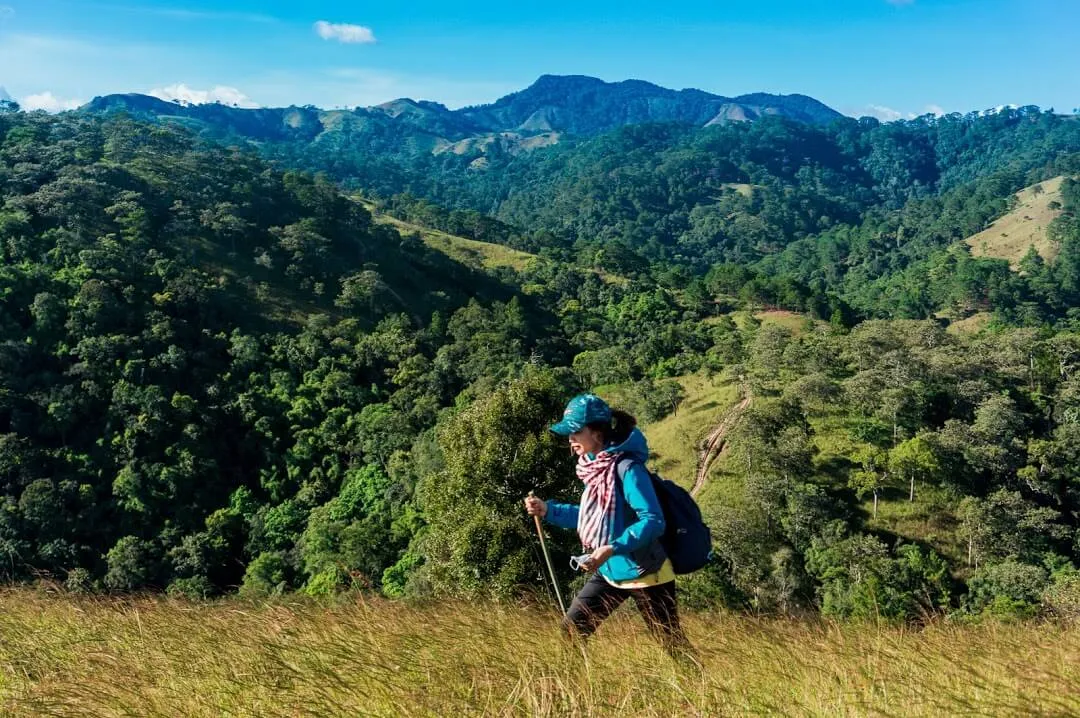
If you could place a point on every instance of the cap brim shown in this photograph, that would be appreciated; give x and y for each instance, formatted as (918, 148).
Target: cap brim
(565, 427)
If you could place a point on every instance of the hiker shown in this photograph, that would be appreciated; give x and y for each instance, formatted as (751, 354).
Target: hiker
(619, 520)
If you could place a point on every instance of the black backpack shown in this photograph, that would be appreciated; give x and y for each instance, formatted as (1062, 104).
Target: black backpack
(686, 538)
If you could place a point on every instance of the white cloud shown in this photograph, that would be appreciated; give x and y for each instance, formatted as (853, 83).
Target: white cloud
(188, 96)
(49, 102)
(888, 114)
(881, 112)
(344, 33)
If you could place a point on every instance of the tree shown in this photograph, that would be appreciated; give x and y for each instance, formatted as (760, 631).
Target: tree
(357, 535)
(817, 392)
(996, 430)
(660, 398)
(873, 474)
(1004, 525)
(856, 575)
(479, 541)
(912, 458)
(131, 564)
(767, 351)
(602, 366)
(364, 292)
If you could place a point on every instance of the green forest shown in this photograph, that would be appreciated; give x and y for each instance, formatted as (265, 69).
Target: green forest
(226, 365)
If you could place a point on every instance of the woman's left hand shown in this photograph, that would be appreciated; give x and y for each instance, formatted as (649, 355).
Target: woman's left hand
(599, 555)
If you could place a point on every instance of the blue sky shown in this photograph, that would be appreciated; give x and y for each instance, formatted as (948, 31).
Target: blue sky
(890, 58)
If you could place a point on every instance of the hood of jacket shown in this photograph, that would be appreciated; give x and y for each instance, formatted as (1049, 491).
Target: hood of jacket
(635, 446)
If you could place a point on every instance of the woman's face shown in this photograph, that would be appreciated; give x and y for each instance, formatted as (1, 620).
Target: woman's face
(586, 441)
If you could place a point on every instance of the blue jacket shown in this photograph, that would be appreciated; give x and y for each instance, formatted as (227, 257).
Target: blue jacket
(639, 520)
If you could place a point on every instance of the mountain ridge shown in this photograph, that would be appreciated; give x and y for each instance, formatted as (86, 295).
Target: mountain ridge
(564, 104)
(585, 105)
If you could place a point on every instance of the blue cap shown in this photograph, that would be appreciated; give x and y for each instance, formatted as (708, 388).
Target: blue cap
(583, 409)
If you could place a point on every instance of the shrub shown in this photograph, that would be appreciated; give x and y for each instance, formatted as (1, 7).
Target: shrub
(267, 575)
(194, 588)
(1009, 589)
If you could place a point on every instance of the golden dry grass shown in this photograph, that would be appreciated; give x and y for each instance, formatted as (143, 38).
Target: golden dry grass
(970, 325)
(1010, 236)
(479, 254)
(794, 322)
(746, 190)
(154, 657)
(470, 252)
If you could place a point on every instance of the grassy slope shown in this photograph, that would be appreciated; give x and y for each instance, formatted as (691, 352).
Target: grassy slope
(83, 657)
(970, 325)
(1010, 236)
(675, 440)
(792, 321)
(478, 255)
(418, 287)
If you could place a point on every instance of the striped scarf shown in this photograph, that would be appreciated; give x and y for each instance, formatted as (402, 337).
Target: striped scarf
(596, 519)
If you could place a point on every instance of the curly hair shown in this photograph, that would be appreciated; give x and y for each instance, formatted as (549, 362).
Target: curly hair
(617, 430)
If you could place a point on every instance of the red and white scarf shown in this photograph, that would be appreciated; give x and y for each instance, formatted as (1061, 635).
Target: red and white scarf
(596, 518)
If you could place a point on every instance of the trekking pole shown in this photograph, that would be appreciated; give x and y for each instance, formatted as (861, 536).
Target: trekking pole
(547, 559)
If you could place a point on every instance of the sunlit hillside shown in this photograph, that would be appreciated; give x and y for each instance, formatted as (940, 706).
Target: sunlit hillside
(1023, 227)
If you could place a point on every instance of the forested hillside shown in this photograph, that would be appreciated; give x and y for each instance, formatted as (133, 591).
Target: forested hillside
(219, 372)
(855, 216)
(187, 333)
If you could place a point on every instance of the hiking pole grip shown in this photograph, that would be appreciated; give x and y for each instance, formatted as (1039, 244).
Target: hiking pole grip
(547, 559)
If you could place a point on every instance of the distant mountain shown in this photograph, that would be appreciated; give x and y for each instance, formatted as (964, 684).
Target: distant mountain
(258, 124)
(585, 105)
(405, 144)
(574, 105)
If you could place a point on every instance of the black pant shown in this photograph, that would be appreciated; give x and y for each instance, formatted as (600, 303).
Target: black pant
(598, 599)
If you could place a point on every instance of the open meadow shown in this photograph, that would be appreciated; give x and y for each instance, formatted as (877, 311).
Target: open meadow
(62, 655)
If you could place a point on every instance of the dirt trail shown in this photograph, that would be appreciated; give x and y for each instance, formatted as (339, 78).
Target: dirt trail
(714, 443)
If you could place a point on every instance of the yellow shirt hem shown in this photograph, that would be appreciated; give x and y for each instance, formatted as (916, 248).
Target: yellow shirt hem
(664, 574)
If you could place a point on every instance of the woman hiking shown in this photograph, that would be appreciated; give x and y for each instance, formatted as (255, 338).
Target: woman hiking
(619, 521)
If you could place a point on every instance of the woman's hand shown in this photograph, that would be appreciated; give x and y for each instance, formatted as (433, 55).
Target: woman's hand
(598, 556)
(536, 506)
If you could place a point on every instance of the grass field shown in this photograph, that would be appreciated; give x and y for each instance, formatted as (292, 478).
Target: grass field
(80, 657)
(1010, 236)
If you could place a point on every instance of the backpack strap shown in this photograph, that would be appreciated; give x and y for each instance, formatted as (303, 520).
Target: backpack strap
(623, 465)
